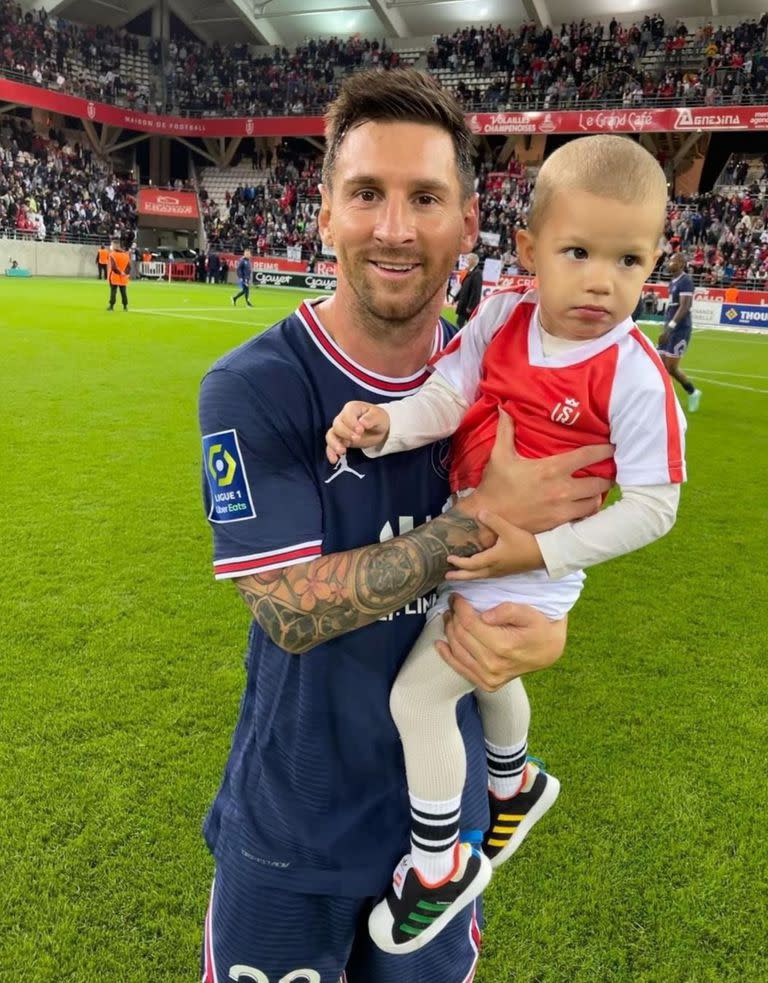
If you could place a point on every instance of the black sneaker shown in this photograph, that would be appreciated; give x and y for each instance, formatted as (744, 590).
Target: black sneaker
(513, 819)
(234, 302)
(249, 303)
(411, 915)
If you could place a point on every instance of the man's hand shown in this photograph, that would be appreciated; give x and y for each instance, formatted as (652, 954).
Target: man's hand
(514, 551)
(537, 494)
(494, 647)
(358, 425)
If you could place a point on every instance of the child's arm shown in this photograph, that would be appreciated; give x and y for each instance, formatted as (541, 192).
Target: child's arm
(644, 514)
(430, 414)
(436, 410)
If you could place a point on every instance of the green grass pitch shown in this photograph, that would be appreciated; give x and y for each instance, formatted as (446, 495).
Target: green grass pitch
(121, 672)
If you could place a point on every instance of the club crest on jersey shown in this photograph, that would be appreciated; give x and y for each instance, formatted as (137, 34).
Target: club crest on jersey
(342, 467)
(566, 412)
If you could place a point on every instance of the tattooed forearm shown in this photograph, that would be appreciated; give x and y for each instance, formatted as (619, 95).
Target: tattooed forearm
(301, 606)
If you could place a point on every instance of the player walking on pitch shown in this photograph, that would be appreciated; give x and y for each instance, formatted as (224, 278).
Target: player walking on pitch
(678, 327)
(244, 273)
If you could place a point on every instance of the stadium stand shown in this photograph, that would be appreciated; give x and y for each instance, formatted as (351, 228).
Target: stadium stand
(268, 210)
(645, 63)
(91, 61)
(53, 190)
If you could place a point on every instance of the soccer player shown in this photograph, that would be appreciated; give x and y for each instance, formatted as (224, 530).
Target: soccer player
(336, 566)
(119, 264)
(569, 364)
(678, 327)
(244, 271)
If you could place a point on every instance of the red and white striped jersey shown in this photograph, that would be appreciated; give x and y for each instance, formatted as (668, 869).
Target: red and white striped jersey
(613, 389)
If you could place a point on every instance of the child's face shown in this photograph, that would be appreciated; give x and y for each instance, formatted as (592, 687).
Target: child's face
(591, 257)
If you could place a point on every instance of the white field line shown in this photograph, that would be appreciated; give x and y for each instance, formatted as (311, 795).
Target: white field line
(730, 336)
(729, 385)
(210, 320)
(181, 310)
(738, 375)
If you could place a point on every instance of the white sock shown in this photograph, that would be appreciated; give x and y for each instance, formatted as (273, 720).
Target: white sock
(506, 768)
(434, 835)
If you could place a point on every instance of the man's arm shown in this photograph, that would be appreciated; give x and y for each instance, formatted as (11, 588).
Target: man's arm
(303, 605)
(309, 603)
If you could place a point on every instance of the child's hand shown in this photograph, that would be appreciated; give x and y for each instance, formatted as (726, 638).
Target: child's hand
(515, 551)
(358, 425)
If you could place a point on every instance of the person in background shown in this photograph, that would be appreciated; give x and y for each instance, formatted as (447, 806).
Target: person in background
(212, 267)
(470, 291)
(119, 264)
(102, 259)
(244, 276)
(678, 327)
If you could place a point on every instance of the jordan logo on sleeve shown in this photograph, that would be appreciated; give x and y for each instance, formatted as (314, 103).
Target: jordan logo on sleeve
(342, 467)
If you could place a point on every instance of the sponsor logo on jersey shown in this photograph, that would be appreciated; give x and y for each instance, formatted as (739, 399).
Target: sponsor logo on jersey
(566, 412)
(225, 474)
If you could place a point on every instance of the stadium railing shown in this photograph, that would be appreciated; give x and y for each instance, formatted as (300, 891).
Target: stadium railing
(71, 239)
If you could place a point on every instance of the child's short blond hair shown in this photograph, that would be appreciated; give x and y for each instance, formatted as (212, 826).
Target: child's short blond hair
(606, 165)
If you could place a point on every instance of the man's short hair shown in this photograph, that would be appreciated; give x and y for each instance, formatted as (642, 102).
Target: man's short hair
(607, 165)
(401, 95)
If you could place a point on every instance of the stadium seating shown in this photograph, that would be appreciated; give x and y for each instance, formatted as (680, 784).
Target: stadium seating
(269, 210)
(645, 63)
(52, 190)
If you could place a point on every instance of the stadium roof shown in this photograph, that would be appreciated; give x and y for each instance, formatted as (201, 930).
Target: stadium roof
(291, 21)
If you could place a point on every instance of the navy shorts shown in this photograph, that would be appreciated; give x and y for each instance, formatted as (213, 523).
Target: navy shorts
(255, 934)
(675, 342)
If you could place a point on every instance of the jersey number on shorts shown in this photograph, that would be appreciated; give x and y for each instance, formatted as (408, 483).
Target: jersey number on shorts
(248, 974)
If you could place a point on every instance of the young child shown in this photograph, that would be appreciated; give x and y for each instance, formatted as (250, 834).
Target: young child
(570, 367)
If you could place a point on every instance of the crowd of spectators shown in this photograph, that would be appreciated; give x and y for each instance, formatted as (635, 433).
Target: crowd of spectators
(588, 62)
(724, 237)
(82, 59)
(50, 189)
(533, 67)
(276, 213)
(231, 80)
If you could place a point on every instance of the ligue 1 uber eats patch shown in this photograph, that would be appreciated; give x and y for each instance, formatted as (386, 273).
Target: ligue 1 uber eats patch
(230, 495)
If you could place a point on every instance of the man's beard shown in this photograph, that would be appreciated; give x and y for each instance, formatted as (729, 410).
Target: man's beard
(388, 313)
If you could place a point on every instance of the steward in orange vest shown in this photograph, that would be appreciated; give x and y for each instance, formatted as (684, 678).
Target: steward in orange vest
(119, 274)
(102, 259)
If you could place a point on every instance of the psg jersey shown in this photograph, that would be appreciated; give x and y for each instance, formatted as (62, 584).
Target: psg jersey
(314, 795)
(681, 286)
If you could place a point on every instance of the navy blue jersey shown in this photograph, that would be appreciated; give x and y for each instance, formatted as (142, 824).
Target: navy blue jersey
(244, 269)
(681, 286)
(314, 794)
